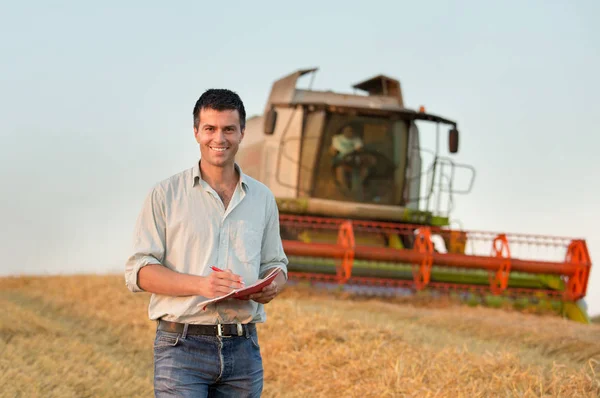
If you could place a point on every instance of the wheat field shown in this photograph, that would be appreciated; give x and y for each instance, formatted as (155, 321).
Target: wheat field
(87, 336)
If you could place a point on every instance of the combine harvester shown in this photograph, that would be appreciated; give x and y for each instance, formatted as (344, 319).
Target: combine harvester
(358, 209)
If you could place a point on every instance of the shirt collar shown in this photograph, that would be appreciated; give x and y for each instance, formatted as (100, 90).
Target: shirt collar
(197, 176)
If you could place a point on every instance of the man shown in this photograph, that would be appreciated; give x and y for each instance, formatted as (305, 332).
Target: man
(212, 215)
(345, 143)
(341, 145)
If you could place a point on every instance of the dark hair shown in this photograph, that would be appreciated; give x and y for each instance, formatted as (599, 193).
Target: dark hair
(220, 100)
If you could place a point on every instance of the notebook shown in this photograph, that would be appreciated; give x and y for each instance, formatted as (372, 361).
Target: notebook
(254, 288)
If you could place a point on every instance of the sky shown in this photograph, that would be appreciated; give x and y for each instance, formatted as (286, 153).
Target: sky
(96, 104)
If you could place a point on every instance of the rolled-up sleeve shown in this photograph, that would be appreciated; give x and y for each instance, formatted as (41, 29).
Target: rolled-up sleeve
(272, 254)
(148, 240)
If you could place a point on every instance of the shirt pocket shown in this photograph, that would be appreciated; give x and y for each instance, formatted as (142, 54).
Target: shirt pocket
(246, 242)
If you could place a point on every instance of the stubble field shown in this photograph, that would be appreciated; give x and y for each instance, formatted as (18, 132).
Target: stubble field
(88, 336)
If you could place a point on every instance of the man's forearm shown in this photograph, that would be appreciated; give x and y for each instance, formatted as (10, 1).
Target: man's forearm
(155, 278)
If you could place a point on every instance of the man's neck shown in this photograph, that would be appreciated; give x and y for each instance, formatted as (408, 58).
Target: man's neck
(219, 176)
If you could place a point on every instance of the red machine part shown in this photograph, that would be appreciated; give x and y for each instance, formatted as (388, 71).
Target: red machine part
(346, 242)
(575, 267)
(578, 257)
(499, 280)
(422, 270)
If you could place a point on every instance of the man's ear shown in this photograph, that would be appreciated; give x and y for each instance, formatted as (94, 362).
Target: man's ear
(243, 131)
(196, 134)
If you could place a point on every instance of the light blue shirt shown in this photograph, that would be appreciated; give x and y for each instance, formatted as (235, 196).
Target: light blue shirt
(185, 227)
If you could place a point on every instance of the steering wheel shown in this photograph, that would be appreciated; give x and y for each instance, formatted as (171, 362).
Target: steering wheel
(378, 164)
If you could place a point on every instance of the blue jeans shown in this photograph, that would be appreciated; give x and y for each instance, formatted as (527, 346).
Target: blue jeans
(207, 366)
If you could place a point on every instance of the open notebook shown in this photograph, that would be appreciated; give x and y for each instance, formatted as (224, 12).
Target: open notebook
(254, 288)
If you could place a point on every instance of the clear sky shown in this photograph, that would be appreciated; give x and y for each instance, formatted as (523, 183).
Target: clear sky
(96, 101)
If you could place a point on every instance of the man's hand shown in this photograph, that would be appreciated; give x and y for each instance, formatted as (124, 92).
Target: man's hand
(266, 295)
(220, 283)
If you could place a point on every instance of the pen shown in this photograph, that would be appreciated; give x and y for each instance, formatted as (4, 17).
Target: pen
(220, 270)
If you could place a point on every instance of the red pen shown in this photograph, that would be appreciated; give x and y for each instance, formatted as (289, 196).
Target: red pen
(220, 270)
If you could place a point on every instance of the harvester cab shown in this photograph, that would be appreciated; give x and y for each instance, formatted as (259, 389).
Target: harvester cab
(360, 208)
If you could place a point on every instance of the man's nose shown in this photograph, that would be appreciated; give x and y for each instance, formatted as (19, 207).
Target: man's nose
(219, 136)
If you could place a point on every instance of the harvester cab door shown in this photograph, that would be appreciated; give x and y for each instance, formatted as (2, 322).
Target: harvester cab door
(413, 170)
(309, 152)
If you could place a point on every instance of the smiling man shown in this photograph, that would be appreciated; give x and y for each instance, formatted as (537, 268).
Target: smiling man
(207, 217)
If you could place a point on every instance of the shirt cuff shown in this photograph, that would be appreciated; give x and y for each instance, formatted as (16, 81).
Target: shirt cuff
(132, 277)
(265, 270)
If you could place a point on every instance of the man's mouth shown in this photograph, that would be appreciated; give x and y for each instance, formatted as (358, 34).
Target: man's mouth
(218, 148)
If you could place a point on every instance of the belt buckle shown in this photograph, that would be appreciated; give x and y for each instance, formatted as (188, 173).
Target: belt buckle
(239, 330)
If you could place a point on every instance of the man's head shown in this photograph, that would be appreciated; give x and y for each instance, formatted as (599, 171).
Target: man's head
(220, 100)
(219, 123)
(348, 131)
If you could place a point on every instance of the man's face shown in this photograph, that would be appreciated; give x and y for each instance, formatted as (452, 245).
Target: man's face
(348, 132)
(219, 135)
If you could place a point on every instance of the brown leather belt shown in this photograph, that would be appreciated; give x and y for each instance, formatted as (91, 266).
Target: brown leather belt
(223, 330)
